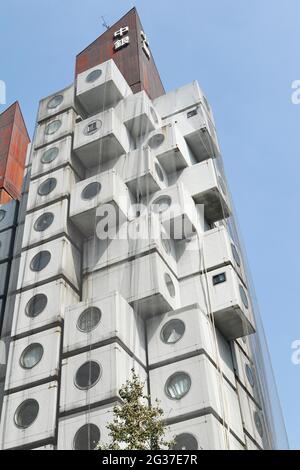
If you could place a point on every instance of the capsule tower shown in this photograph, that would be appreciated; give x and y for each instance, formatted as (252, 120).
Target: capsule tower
(130, 259)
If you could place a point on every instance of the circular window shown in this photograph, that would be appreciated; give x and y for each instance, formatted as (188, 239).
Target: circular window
(53, 127)
(156, 140)
(89, 319)
(31, 356)
(154, 115)
(92, 127)
(55, 101)
(159, 172)
(87, 375)
(244, 296)
(170, 285)
(178, 385)
(250, 375)
(44, 222)
(87, 437)
(93, 76)
(91, 190)
(36, 305)
(235, 255)
(47, 187)
(2, 214)
(40, 261)
(258, 424)
(185, 441)
(161, 204)
(50, 155)
(172, 331)
(26, 413)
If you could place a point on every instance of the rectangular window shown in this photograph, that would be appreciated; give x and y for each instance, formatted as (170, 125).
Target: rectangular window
(219, 278)
(192, 113)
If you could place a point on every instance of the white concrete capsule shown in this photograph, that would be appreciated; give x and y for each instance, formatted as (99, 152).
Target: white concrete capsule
(3, 277)
(55, 128)
(8, 215)
(102, 319)
(253, 418)
(56, 103)
(139, 114)
(42, 306)
(101, 87)
(34, 358)
(99, 138)
(6, 241)
(30, 417)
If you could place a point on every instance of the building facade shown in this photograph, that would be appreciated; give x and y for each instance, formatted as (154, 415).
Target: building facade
(129, 258)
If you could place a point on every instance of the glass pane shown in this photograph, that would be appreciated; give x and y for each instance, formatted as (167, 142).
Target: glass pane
(40, 261)
(87, 437)
(156, 140)
(161, 204)
(43, 222)
(89, 319)
(91, 190)
(178, 385)
(47, 187)
(27, 413)
(173, 331)
(185, 442)
(244, 296)
(170, 285)
(36, 305)
(32, 356)
(53, 127)
(94, 75)
(55, 101)
(159, 172)
(50, 155)
(87, 375)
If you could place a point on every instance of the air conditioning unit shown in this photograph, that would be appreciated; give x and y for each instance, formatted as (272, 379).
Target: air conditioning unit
(98, 320)
(170, 148)
(203, 433)
(139, 114)
(176, 210)
(101, 87)
(193, 386)
(100, 138)
(54, 156)
(103, 192)
(95, 377)
(187, 97)
(55, 128)
(253, 419)
(56, 103)
(41, 307)
(187, 332)
(8, 215)
(245, 371)
(146, 283)
(6, 242)
(34, 358)
(230, 303)
(49, 222)
(30, 417)
(4, 274)
(206, 186)
(50, 188)
(50, 261)
(138, 237)
(82, 432)
(141, 172)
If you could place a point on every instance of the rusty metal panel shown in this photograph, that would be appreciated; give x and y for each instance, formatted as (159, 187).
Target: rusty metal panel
(139, 71)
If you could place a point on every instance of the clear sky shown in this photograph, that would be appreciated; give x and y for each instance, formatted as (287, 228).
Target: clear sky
(245, 54)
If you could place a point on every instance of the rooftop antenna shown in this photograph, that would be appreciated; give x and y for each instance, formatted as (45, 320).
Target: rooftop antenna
(104, 23)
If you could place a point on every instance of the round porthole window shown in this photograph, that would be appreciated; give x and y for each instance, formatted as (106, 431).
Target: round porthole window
(2, 214)
(170, 285)
(89, 319)
(87, 375)
(185, 441)
(258, 424)
(50, 155)
(236, 255)
(93, 76)
(92, 127)
(53, 127)
(244, 296)
(40, 261)
(55, 102)
(26, 413)
(159, 172)
(47, 187)
(178, 385)
(31, 356)
(44, 222)
(156, 140)
(172, 331)
(87, 437)
(154, 115)
(91, 190)
(36, 305)
(250, 375)
(161, 204)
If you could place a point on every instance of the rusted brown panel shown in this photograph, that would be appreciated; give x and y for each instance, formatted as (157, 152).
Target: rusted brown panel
(139, 72)
(4, 197)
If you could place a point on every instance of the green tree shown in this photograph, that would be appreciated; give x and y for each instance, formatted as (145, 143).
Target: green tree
(137, 424)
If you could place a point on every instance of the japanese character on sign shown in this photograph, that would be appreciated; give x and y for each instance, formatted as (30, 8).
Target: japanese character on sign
(121, 32)
(121, 43)
(145, 45)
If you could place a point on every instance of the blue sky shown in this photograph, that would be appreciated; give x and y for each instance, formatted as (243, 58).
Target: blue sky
(245, 54)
